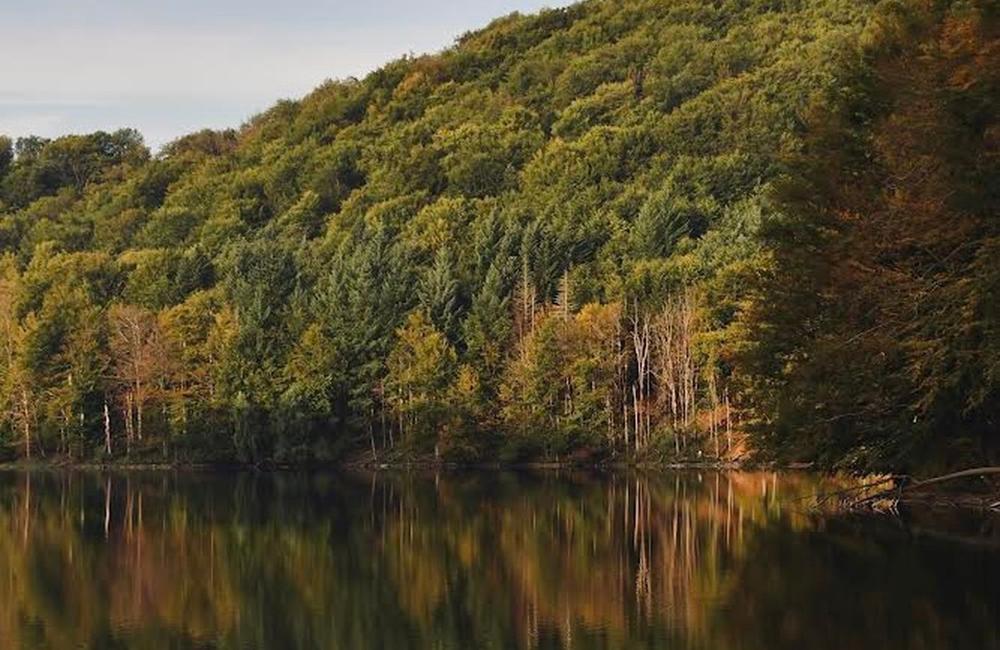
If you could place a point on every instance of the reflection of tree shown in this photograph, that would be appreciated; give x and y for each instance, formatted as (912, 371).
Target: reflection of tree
(577, 558)
(838, 597)
(196, 564)
(485, 561)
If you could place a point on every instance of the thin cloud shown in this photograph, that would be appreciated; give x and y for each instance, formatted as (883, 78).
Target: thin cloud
(19, 101)
(122, 63)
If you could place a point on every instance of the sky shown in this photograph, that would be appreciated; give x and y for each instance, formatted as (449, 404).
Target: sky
(170, 67)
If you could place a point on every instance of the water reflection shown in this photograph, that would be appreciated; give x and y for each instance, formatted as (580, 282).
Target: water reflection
(684, 560)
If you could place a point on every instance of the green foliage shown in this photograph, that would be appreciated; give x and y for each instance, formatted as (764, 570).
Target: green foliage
(439, 294)
(42, 167)
(420, 371)
(874, 323)
(6, 155)
(559, 390)
(482, 246)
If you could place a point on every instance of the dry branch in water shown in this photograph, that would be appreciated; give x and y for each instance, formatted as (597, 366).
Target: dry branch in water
(903, 491)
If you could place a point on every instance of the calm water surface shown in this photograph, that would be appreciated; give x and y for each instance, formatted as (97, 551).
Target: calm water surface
(486, 560)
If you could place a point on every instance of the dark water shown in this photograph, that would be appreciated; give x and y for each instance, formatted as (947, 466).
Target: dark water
(686, 560)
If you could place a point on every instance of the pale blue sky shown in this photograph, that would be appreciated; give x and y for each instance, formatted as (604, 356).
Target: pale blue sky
(169, 67)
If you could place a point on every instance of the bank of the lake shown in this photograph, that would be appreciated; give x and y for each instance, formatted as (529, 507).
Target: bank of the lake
(970, 489)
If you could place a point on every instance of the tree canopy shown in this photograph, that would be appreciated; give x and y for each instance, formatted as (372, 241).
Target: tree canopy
(627, 228)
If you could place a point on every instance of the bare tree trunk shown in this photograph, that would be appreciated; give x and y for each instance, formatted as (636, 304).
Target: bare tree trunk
(127, 415)
(729, 425)
(622, 379)
(647, 374)
(26, 423)
(640, 340)
(713, 395)
(138, 410)
(611, 421)
(625, 416)
(107, 429)
(635, 409)
(529, 298)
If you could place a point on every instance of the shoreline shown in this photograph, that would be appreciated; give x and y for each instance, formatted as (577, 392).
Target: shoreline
(266, 467)
(938, 498)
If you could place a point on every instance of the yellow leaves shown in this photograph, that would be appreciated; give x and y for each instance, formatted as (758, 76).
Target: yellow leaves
(597, 323)
(467, 385)
(562, 356)
(439, 224)
(223, 331)
(311, 370)
(420, 365)
(410, 83)
(421, 353)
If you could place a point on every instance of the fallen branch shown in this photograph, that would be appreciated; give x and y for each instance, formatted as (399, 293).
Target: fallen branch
(979, 471)
(823, 497)
(896, 494)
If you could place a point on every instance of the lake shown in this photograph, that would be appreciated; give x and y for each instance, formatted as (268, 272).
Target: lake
(481, 560)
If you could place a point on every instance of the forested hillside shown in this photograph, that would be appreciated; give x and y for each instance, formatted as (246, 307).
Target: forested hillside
(633, 229)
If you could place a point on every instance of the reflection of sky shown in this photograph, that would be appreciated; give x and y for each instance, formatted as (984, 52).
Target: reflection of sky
(168, 67)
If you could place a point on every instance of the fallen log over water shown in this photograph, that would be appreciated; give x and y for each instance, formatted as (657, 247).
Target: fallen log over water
(904, 490)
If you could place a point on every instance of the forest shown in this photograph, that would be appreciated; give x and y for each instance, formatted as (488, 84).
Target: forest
(630, 231)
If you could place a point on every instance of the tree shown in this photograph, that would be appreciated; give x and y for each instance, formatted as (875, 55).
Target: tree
(519, 189)
(439, 294)
(18, 387)
(44, 167)
(67, 356)
(674, 362)
(196, 334)
(6, 155)
(140, 361)
(874, 329)
(313, 373)
(420, 371)
(487, 331)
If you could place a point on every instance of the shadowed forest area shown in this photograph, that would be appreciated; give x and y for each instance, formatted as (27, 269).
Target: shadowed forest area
(633, 230)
